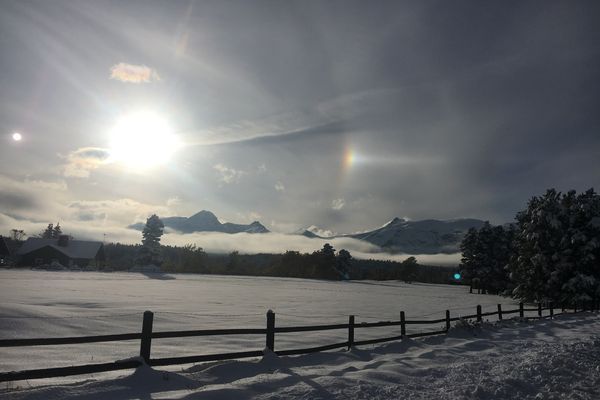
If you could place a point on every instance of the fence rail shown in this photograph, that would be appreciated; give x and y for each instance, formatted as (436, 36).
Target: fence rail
(147, 335)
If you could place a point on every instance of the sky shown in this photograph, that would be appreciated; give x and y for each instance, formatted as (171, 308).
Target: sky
(339, 114)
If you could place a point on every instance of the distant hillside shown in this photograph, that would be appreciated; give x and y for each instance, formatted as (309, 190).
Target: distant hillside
(428, 236)
(205, 221)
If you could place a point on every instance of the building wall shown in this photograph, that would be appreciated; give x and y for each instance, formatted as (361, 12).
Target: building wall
(46, 254)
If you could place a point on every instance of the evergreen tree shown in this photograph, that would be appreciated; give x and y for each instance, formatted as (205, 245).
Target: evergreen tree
(468, 262)
(328, 251)
(57, 231)
(17, 235)
(485, 255)
(343, 262)
(48, 233)
(579, 259)
(558, 248)
(409, 270)
(233, 263)
(324, 263)
(150, 250)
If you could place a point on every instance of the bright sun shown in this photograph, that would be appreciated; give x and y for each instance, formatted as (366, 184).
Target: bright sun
(142, 140)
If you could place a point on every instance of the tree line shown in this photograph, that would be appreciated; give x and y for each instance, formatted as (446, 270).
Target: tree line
(551, 252)
(293, 264)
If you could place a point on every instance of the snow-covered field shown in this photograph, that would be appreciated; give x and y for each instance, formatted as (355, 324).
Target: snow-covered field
(509, 360)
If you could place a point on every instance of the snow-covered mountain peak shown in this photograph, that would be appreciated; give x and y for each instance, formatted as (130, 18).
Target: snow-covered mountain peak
(395, 221)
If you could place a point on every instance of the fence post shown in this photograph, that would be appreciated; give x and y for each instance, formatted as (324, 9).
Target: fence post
(551, 310)
(402, 324)
(540, 310)
(350, 332)
(146, 336)
(575, 308)
(562, 307)
(271, 330)
(499, 312)
(521, 312)
(479, 319)
(447, 320)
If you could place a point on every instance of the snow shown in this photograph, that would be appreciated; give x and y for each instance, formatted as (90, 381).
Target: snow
(512, 359)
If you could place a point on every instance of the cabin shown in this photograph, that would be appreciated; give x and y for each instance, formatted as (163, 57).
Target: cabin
(4, 252)
(64, 250)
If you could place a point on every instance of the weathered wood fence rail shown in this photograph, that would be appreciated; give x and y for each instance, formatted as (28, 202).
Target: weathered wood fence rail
(147, 335)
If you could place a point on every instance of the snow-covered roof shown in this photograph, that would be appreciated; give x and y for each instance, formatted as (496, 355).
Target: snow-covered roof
(73, 249)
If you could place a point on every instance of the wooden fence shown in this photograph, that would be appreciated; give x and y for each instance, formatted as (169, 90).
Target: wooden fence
(146, 336)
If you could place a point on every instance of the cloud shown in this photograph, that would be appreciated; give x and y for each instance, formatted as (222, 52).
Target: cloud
(227, 174)
(279, 186)
(247, 243)
(173, 201)
(60, 185)
(337, 204)
(115, 213)
(321, 232)
(31, 204)
(81, 161)
(130, 73)
(25, 198)
(16, 201)
(21, 208)
(248, 217)
(283, 126)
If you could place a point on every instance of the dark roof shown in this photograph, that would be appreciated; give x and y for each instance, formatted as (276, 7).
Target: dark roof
(4, 250)
(73, 249)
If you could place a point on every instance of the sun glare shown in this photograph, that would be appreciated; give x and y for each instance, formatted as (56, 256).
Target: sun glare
(142, 140)
(349, 158)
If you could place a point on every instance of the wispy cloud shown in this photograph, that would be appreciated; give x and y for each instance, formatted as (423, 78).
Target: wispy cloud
(120, 212)
(81, 161)
(59, 185)
(131, 73)
(173, 201)
(338, 204)
(227, 174)
(279, 186)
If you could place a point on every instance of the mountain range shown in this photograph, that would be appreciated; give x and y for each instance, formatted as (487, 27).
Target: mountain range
(205, 221)
(429, 236)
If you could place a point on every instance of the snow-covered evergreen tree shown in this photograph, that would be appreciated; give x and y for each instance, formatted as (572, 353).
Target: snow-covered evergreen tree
(485, 254)
(558, 248)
